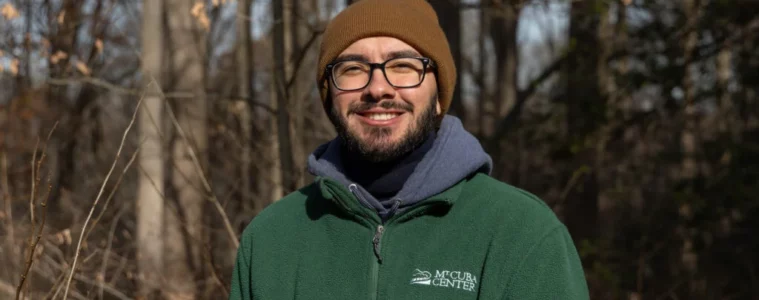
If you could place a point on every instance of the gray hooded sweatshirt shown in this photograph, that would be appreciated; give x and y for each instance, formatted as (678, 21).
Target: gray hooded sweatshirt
(455, 155)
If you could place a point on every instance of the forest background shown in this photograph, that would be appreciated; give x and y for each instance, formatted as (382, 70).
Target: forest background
(139, 137)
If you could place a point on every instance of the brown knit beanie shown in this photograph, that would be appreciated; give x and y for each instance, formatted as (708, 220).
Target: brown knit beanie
(412, 21)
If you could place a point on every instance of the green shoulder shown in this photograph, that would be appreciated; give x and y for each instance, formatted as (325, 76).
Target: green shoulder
(539, 258)
(509, 202)
(288, 211)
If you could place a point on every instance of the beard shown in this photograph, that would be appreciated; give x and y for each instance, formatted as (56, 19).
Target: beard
(377, 148)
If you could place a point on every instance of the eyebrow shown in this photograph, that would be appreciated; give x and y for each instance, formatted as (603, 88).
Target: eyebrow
(402, 53)
(345, 57)
(391, 55)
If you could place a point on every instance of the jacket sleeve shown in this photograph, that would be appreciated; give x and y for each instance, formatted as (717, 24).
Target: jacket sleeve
(550, 270)
(240, 286)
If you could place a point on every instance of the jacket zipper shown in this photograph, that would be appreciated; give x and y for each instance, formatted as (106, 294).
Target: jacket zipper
(377, 239)
(376, 261)
(376, 245)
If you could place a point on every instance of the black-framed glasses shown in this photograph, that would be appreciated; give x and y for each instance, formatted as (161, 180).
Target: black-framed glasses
(401, 72)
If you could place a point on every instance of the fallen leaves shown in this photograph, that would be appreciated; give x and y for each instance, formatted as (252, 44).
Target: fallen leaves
(58, 56)
(198, 11)
(99, 45)
(63, 237)
(82, 68)
(9, 11)
(216, 3)
(14, 66)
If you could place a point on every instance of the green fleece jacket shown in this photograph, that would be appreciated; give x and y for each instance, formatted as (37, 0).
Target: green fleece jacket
(479, 239)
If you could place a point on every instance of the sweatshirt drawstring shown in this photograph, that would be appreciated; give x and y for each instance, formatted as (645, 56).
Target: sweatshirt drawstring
(393, 209)
(355, 190)
(384, 215)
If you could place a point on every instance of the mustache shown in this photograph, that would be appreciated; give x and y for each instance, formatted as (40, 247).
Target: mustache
(364, 106)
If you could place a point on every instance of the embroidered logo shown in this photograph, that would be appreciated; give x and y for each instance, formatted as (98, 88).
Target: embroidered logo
(421, 277)
(444, 278)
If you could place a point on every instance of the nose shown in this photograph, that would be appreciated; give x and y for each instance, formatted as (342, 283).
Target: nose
(378, 87)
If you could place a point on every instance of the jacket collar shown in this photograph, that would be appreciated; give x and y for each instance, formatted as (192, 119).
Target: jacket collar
(347, 201)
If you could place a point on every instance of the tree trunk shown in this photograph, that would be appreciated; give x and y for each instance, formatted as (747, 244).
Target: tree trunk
(281, 70)
(606, 34)
(244, 53)
(450, 19)
(585, 113)
(26, 79)
(272, 181)
(185, 236)
(623, 99)
(150, 189)
(504, 33)
(63, 39)
(504, 18)
(484, 96)
(299, 33)
(688, 139)
(726, 118)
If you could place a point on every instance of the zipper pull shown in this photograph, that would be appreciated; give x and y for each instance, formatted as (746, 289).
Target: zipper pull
(376, 241)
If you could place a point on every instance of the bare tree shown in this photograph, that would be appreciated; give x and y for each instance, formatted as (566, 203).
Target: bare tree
(152, 157)
(281, 70)
(450, 19)
(583, 101)
(297, 33)
(503, 29)
(483, 94)
(688, 139)
(185, 236)
(726, 118)
(244, 54)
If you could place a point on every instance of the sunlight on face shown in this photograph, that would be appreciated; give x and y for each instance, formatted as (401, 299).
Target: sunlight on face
(379, 120)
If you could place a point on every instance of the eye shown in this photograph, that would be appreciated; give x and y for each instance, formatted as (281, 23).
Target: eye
(405, 65)
(350, 68)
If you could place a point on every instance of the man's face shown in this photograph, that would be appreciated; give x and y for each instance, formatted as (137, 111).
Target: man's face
(379, 121)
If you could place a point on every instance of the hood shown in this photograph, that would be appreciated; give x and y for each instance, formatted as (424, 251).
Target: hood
(455, 155)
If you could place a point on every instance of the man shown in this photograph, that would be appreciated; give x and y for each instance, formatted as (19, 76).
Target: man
(403, 206)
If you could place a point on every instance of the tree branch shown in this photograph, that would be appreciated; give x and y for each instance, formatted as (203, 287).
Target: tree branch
(93, 81)
(742, 33)
(522, 96)
(302, 55)
(36, 233)
(97, 198)
(127, 91)
(198, 168)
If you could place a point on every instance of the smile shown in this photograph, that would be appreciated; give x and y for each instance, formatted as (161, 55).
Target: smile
(381, 116)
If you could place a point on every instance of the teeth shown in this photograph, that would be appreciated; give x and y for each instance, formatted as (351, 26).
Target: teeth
(381, 117)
